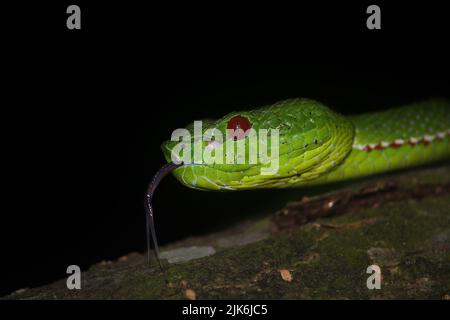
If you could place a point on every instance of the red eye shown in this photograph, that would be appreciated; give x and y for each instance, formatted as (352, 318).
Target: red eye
(237, 127)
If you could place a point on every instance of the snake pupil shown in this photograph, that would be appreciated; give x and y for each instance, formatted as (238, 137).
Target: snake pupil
(238, 127)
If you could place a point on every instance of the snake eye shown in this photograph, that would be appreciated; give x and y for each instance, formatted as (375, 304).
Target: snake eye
(238, 127)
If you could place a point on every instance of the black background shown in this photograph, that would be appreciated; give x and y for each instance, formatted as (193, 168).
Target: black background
(84, 111)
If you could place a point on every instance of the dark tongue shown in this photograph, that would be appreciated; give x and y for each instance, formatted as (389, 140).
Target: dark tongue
(165, 169)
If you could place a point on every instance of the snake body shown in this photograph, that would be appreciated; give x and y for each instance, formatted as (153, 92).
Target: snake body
(315, 146)
(318, 145)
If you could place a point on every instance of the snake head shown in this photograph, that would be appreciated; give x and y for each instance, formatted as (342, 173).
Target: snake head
(286, 144)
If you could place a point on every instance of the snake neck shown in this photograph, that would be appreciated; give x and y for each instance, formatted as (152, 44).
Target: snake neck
(396, 139)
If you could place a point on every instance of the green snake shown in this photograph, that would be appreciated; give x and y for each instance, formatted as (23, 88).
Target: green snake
(318, 146)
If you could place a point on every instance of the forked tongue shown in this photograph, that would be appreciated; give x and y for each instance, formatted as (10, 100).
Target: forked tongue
(165, 169)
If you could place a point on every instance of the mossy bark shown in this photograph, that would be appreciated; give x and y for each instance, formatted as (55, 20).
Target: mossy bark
(296, 255)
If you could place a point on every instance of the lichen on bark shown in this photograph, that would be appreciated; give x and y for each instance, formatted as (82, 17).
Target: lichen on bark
(402, 224)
